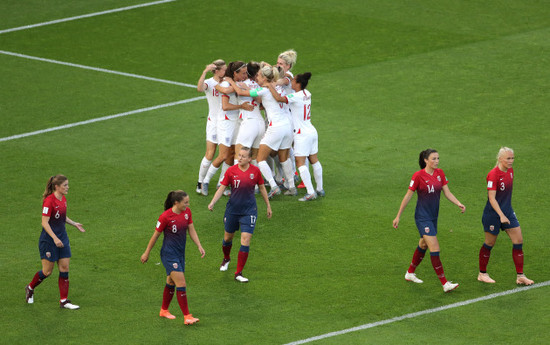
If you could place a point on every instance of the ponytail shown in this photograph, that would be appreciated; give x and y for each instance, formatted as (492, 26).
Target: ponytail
(424, 155)
(52, 182)
(303, 79)
(172, 197)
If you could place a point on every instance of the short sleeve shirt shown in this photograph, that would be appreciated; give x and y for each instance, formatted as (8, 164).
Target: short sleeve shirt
(242, 200)
(57, 211)
(174, 226)
(501, 182)
(428, 187)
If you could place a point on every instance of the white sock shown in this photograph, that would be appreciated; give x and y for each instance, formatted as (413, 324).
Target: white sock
(211, 172)
(289, 174)
(225, 166)
(266, 171)
(306, 179)
(205, 164)
(318, 175)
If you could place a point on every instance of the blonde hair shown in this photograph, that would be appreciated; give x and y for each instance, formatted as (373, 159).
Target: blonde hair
(270, 73)
(289, 57)
(219, 64)
(502, 151)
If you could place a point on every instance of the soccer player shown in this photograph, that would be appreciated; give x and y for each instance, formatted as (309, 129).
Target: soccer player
(213, 98)
(54, 243)
(227, 122)
(428, 182)
(499, 215)
(175, 222)
(305, 135)
(241, 210)
(278, 136)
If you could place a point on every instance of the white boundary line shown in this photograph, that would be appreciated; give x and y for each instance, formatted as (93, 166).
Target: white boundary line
(84, 16)
(97, 69)
(420, 313)
(109, 117)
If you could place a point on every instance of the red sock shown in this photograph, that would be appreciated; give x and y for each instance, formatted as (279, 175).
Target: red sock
(226, 247)
(438, 267)
(243, 256)
(182, 300)
(167, 296)
(517, 254)
(63, 283)
(484, 255)
(417, 259)
(37, 279)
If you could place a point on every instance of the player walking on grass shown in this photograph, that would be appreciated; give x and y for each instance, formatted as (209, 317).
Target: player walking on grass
(54, 243)
(305, 134)
(428, 182)
(213, 97)
(174, 222)
(499, 215)
(241, 210)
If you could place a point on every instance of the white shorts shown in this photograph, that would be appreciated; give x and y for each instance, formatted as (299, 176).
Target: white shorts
(306, 144)
(226, 132)
(211, 131)
(277, 137)
(251, 133)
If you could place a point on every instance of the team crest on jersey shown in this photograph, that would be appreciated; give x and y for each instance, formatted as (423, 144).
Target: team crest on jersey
(48, 254)
(251, 176)
(492, 228)
(186, 216)
(427, 229)
(175, 265)
(439, 178)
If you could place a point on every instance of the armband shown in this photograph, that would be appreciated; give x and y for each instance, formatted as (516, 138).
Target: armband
(254, 93)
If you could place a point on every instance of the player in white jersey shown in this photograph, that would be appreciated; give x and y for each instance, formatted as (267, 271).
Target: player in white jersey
(252, 127)
(305, 134)
(213, 98)
(278, 133)
(227, 122)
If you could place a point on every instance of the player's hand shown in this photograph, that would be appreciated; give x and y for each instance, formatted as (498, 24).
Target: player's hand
(144, 258)
(58, 243)
(504, 220)
(211, 206)
(396, 222)
(462, 208)
(247, 106)
(269, 213)
(79, 227)
(201, 250)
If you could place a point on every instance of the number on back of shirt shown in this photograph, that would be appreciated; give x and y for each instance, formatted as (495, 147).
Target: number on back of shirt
(307, 112)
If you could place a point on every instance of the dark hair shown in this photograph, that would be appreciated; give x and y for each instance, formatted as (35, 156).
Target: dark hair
(233, 67)
(303, 79)
(173, 196)
(424, 155)
(53, 181)
(252, 69)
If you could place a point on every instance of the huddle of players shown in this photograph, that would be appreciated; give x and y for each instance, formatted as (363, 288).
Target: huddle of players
(236, 94)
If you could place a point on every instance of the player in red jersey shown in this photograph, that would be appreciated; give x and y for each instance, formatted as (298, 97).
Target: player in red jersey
(241, 211)
(54, 243)
(175, 222)
(428, 182)
(499, 215)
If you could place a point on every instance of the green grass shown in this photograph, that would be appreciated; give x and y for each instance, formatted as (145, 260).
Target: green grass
(389, 80)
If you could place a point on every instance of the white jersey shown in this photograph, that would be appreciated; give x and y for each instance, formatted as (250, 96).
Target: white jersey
(300, 106)
(232, 115)
(254, 114)
(274, 110)
(288, 87)
(213, 98)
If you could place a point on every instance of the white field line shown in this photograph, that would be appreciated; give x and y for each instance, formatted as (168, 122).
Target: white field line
(97, 69)
(84, 16)
(420, 313)
(104, 118)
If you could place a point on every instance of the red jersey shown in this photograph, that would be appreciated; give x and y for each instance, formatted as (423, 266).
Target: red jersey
(57, 211)
(174, 226)
(428, 188)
